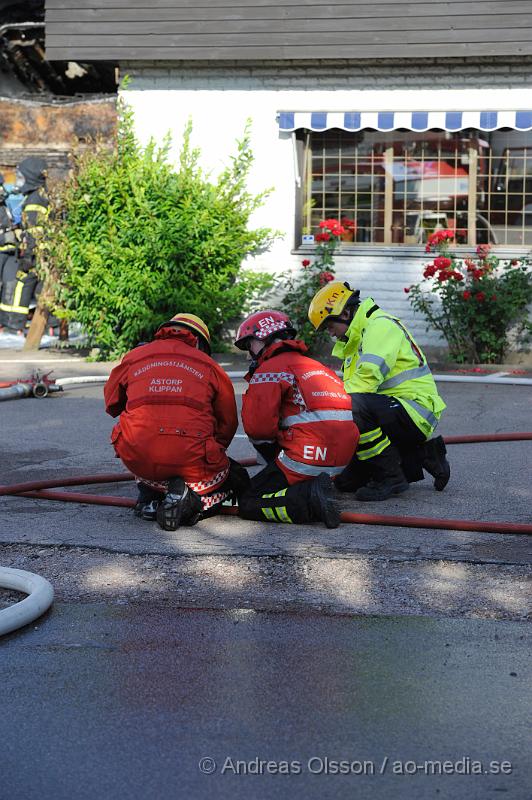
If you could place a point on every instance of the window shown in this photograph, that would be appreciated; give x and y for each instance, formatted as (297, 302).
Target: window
(399, 186)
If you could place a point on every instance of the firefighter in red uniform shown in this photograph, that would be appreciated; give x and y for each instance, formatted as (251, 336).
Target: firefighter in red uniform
(177, 417)
(298, 417)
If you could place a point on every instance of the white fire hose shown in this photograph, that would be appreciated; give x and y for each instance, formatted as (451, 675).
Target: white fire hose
(40, 597)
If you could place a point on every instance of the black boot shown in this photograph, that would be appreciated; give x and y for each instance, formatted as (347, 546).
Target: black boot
(180, 506)
(434, 461)
(352, 477)
(389, 478)
(323, 504)
(147, 502)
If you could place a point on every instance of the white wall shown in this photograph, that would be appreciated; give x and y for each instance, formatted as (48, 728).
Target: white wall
(220, 99)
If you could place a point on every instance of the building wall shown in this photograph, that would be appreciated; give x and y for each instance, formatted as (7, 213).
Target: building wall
(220, 98)
(285, 29)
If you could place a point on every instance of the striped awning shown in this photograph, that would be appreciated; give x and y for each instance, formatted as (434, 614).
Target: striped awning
(412, 120)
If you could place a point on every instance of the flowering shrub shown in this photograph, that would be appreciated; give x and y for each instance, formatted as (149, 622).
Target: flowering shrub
(479, 304)
(303, 285)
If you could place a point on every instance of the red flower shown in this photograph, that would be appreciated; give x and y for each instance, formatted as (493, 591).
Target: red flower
(329, 223)
(458, 276)
(338, 230)
(349, 224)
(322, 237)
(483, 250)
(442, 262)
(305, 262)
(493, 296)
(466, 295)
(429, 271)
(514, 262)
(480, 296)
(427, 248)
(443, 275)
(477, 274)
(325, 277)
(406, 289)
(470, 264)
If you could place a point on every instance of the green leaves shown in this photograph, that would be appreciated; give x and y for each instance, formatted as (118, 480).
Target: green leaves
(132, 241)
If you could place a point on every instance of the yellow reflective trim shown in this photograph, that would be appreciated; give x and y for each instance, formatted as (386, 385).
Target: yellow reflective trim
(35, 207)
(14, 309)
(369, 436)
(19, 286)
(264, 496)
(373, 451)
(283, 516)
(268, 513)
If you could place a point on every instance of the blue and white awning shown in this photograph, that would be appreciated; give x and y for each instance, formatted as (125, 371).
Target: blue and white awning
(412, 120)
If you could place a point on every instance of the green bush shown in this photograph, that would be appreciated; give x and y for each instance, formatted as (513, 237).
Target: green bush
(132, 241)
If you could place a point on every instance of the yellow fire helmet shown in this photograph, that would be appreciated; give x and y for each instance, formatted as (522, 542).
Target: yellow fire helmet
(330, 301)
(194, 324)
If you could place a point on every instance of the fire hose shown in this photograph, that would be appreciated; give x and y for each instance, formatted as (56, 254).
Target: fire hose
(42, 490)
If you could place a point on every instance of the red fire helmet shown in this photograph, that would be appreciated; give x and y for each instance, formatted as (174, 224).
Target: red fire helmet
(261, 325)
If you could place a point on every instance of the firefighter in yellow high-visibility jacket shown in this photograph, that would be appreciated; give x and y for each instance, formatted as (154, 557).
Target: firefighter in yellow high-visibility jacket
(395, 402)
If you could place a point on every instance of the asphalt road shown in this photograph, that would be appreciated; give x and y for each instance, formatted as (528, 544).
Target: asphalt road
(68, 434)
(100, 702)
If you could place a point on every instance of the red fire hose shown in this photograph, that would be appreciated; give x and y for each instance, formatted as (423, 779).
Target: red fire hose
(41, 489)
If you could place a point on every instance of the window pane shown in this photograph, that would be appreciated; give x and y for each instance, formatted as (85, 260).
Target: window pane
(430, 180)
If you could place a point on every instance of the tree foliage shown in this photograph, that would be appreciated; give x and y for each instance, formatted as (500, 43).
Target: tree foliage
(132, 240)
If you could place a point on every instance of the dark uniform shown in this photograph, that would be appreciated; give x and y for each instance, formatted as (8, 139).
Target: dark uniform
(8, 244)
(19, 278)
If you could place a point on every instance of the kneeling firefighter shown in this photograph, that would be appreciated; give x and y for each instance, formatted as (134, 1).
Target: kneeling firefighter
(396, 405)
(298, 417)
(177, 417)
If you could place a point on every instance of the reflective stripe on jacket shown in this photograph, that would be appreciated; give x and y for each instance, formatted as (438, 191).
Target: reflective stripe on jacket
(177, 411)
(381, 357)
(301, 405)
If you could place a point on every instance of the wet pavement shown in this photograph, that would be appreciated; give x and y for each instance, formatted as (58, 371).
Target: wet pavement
(125, 701)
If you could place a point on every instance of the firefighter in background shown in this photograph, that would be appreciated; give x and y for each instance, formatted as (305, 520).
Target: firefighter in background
(177, 417)
(8, 242)
(396, 405)
(20, 281)
(298, 417)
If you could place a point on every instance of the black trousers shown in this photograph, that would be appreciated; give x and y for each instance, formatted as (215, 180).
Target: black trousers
(271, 499)
(389, 441)
(17, 291)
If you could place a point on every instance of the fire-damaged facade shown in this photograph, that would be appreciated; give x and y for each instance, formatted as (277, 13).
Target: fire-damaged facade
(47, 107)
